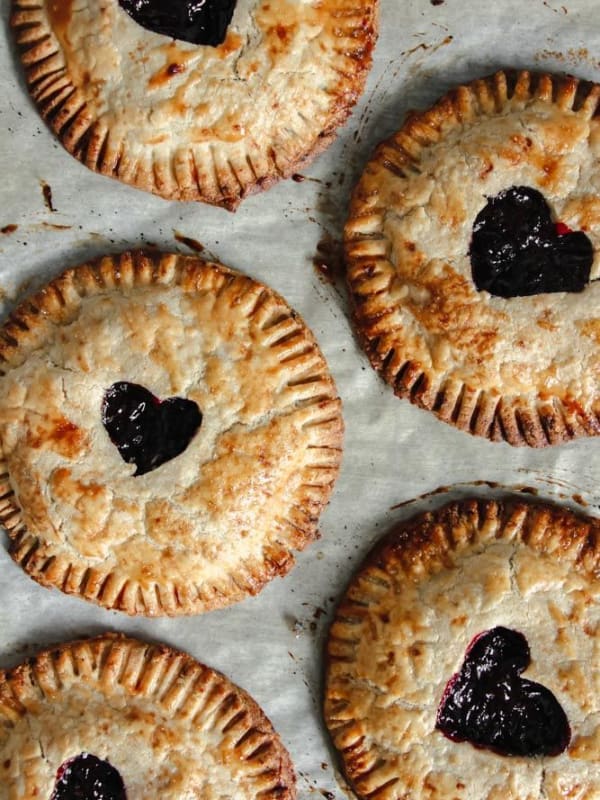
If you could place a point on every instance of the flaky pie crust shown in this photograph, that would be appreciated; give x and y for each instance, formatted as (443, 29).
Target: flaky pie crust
(172, 727)
(524, 370)
(406, 620)
(192, 122)
(212, 525)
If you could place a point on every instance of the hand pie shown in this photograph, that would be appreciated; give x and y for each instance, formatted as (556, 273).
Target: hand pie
(117, 719)
(169, 434)
(463, 658)
(473, 257)
(259, 90)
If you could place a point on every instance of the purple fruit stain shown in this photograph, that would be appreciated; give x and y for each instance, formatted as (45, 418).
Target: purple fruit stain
(488, 704)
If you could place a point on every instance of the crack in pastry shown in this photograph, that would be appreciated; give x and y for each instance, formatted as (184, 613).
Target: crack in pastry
(220, 518)
(114, 717)
(425, 215)
(195, 122)
(426, 592)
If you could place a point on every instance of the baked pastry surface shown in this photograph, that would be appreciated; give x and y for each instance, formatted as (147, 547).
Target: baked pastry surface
(521, 369)
(213, 524)
(172, 727)
(402, 629)
(193, 122)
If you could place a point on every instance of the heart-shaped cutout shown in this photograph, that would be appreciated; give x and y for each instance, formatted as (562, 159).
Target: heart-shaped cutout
(192, 21)
(85, 777)
(148, 431)
(488, 704)
(517, 250)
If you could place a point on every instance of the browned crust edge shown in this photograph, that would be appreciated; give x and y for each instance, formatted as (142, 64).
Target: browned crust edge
(179, 686)
(25, 330)
(409, 552)
(63, 106)
(533, 420)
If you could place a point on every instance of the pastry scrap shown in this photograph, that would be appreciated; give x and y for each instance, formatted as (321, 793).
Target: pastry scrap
(255, 92)
(115, 718)
(169, 434)
(463, 658)
(473, 253)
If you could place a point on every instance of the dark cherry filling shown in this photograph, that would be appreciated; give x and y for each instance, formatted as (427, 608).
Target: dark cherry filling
(197, 21)
(147, 431)
(488, 704)
(517, 250)
(86, 777)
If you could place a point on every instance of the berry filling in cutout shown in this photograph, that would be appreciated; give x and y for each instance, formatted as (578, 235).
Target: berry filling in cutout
(145, 430)
(489, 704)
(87, 777)
(517, 250)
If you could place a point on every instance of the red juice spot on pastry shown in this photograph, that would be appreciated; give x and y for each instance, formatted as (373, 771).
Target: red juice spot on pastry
(561, 228)
(86, 776)
(516, 250)
(488, 704)
(147, 431)
(8, 229)
(175, 69)
(203, 23)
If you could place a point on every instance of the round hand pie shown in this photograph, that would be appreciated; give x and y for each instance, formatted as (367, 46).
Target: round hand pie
(463, 659)
(169, 433)
(258, 88)
(473, 258)
(118, 719)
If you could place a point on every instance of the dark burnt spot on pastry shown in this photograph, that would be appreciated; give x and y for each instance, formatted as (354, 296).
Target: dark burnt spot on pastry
(189, 20)
(87, 776)
(147, 431)
(488, 704)
(517, 250)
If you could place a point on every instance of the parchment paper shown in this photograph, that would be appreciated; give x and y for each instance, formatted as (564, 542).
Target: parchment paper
(272, 644)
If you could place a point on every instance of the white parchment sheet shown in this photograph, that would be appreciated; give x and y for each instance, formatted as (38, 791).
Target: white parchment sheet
(272, 644)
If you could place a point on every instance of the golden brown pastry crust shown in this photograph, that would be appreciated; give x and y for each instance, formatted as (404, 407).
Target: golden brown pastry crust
(191, 122)
(172, 727)
(406, 620)
(217, 522)
(524, 370)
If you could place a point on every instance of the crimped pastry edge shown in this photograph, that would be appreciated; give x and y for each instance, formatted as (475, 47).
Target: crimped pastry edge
(534, 420)
(63, 105)
(410, 551)
(170, 678)
(24, 332)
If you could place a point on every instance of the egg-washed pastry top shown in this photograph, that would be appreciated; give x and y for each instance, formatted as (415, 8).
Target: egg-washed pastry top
(463, 661)
(169, 434)
(188, 121)
(473, 249)
(118, 719)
